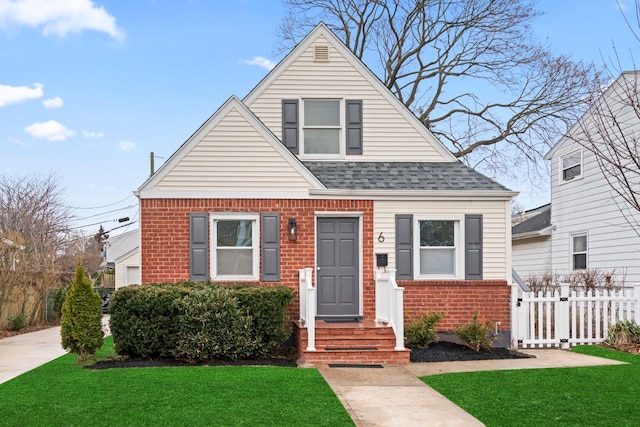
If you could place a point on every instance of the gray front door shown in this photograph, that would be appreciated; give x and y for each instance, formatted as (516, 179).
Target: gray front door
(338, 273)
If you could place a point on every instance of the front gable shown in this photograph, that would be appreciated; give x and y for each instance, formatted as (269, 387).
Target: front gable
(321, 67)
(231, 156)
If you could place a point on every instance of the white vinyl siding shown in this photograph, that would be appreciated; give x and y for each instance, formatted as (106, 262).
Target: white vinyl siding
(590, 205)
(233, 157)
(496, 242)
(387, 135)
(532, 257)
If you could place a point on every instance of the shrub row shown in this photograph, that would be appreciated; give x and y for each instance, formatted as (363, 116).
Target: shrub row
(198, 322)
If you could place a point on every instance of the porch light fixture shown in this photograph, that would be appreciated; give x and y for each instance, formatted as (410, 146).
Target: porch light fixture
(292, 230)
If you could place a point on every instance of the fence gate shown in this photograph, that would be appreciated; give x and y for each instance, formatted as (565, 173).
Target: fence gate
(568, 317)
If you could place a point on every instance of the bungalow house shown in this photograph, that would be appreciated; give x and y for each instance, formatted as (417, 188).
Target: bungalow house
(321, 180)
(587, 226)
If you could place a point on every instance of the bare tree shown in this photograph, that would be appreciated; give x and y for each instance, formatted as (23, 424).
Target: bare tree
(33, 227)
(469, 69)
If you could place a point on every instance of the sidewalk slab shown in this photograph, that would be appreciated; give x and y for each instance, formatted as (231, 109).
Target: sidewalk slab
(22, 353)
(392, 396)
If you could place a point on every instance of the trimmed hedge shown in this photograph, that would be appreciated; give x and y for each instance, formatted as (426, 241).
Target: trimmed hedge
(144, 319)
(198, 322)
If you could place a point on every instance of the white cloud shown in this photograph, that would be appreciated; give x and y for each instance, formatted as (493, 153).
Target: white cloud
(90, 134)
(17, 94)
(127, 145)
(260, 61)
(51, 130)
(59, 17)
(52, 103)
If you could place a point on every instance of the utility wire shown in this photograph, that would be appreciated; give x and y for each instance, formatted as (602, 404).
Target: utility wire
(101, 207)
(104, 213)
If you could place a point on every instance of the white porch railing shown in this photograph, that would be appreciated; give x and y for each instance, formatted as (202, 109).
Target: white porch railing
(308, 306)
(390, 304)
(564, 318)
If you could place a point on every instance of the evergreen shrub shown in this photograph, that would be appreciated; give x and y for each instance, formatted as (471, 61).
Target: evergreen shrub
(81, 323)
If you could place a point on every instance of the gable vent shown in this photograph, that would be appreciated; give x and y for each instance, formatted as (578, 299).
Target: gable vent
(321, 53)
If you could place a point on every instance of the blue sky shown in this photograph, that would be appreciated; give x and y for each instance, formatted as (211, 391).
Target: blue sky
(89, 88)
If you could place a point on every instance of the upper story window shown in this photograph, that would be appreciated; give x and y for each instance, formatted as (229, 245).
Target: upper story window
(235, 245)
(579, 251)
(571, 165)
(322, 127)
(439, 248)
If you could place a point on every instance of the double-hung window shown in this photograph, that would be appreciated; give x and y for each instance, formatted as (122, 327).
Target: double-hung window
(579, 251)
(235, 246)
(322, 127)
(571, 165)
(438, 247)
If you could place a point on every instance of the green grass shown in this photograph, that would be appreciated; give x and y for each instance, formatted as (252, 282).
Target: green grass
(61, 393)
(589, 396)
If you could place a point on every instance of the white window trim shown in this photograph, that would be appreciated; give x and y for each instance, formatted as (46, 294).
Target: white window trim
(561, 168)
(459, 247)
(572, 253)
(255, 238)
(342, 143)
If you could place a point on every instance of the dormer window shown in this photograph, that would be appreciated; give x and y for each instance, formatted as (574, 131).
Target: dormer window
(571, 166)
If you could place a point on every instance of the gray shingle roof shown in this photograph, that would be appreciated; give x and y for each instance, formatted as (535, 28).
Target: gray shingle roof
(536, 223)
(417, 176)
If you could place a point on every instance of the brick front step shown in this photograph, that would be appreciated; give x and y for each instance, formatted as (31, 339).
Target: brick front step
(351, 343)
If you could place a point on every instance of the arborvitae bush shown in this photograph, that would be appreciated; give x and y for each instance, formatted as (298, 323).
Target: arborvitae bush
(418, 334)
(81, 323)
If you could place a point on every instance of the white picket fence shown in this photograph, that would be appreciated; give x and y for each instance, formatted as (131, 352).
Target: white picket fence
(566, 317)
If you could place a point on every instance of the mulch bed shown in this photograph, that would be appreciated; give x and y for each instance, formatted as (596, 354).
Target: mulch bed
(441, 351)
(444, 351)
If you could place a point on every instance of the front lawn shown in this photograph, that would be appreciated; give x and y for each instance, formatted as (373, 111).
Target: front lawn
(593, 396)
(61, 393)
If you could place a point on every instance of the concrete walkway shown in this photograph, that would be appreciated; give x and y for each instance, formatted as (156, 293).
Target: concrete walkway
(374, 397)
(394, 396)
(22, 353)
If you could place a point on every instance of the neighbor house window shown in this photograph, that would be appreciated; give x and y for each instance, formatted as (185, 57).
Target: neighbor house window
(579, 251)
(322, 126)
(235, 244)
(438, 247)
(571, 166)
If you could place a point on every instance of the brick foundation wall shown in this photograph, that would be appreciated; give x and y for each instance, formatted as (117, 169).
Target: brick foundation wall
(164, 226)
(458, 300)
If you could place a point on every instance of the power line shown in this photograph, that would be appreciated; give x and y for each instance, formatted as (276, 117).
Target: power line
(107, 212)
(101, 207)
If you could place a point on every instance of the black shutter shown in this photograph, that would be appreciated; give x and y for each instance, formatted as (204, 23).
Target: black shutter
(354, 126)
(404, 247)
(290, 124)
(473, 247)
(199, 247)
(271, 247)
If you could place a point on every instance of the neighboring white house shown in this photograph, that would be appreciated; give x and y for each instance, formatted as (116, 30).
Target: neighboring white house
(123, 254)
(587, 225)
